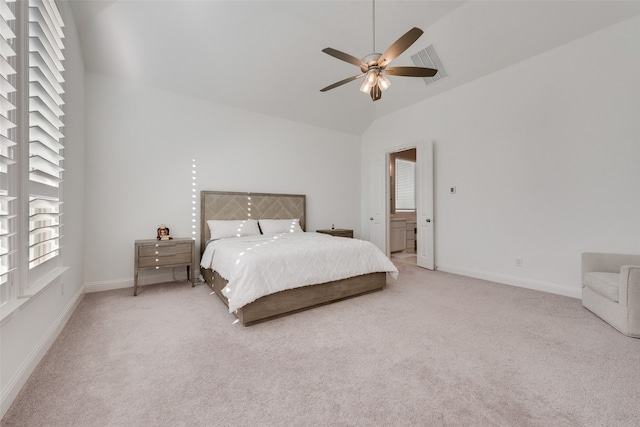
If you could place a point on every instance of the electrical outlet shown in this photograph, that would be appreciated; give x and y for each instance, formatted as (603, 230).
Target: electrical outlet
(518, 262)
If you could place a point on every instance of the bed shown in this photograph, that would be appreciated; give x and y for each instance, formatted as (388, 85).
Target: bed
(222, 207)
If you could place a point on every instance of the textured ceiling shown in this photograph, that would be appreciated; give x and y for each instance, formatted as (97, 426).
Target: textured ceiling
(265, 56)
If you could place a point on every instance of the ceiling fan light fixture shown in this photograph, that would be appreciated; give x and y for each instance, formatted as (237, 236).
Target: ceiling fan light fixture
(383, 82)
(370, 80)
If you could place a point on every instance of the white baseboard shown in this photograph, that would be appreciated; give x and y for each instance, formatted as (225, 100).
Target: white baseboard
(108, 285)
(145, 277)
(520, 282)
(21, 376)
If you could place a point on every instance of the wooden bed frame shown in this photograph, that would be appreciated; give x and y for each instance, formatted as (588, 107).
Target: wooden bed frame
(238, 206)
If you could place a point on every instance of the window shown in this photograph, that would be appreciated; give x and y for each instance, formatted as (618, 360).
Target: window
(45, 124)
(31, 146)
(7, 144)
(405, 185)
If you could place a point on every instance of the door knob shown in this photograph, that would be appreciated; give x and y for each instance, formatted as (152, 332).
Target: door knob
(371, 218)
(428, 219)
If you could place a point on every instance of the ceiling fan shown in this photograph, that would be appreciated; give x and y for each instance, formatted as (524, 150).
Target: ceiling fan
(375, 65)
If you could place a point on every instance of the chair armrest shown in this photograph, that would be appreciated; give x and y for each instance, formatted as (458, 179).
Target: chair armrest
(630, 292)
(606, 263)
(630, 286)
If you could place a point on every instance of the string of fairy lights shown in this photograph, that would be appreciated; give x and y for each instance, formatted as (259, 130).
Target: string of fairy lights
(194, 200)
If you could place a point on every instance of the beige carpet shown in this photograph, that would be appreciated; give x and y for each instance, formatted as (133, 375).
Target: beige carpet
(431, 349)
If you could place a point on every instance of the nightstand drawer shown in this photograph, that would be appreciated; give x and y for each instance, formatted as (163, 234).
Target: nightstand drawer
(165, 249)
(343, 233)
(162, 260)
(338, 232)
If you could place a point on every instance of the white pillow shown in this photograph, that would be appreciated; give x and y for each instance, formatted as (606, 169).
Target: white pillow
(269, 226)
(221, 229)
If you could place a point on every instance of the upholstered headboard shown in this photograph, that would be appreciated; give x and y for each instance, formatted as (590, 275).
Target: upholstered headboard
(234, 205)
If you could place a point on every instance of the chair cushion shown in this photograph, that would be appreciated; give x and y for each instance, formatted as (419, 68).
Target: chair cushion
(605, 284)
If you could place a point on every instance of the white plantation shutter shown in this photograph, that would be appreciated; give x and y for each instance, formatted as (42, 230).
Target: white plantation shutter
(31, 148)
(7, 144)
(405, 185)
(45, 130)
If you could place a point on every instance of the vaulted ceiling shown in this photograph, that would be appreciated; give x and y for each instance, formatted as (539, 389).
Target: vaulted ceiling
(266, 56)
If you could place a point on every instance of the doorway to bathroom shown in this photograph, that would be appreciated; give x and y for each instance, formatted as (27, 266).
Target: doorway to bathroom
(402, 206)
(380, 198)
(411, 204)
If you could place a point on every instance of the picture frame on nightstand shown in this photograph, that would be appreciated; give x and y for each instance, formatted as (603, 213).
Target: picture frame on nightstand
(163, 233)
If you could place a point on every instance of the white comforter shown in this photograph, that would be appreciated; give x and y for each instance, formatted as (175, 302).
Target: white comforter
(256, 266)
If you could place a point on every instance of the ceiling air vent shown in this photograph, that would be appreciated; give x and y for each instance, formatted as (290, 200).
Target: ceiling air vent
(430, 59)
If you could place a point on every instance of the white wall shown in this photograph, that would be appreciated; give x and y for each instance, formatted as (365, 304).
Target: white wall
(140, 146)
(545, 156)
(27, 334)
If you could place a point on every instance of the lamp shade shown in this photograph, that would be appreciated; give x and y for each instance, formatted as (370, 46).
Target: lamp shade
(383, 82)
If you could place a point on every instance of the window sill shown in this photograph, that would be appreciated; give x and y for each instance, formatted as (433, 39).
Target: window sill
(7, 310)
(36, 288)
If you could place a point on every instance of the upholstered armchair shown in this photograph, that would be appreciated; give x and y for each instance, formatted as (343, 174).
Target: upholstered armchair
(611, 289)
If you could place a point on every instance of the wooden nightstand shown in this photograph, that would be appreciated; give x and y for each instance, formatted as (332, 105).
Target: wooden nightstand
(339, 232)
(155, 253)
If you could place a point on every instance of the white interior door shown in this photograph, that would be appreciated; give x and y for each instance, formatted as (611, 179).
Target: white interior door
(424, 200)
(377, 200)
